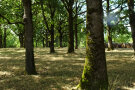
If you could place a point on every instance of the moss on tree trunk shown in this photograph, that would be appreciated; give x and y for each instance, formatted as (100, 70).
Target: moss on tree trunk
(94, 75)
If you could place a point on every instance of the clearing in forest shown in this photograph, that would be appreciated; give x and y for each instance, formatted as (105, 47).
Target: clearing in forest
(62, 71)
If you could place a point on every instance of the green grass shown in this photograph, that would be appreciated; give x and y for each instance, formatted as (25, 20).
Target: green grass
(62, 71)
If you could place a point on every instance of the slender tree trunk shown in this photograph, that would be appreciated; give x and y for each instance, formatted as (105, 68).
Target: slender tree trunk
(94, 75)
(43, 42)
(29, 54)
(132, 21)
(21, 40)
(5, 36)
(46, 39)
(52, 39)
(110, 44)
(0, 41)
(76, 30)
(60, 35)
(71, 31)
(0, 37)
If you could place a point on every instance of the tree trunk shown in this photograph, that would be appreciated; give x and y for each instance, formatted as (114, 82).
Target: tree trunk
(46, 39)
(52, 40)
(110, 44)
(5, 36)
(29, 54)
(94, 75)
(71, 31)
(21, 40)
(0, 37)
(43, 42)
(60, 35)
(76, 30)
(132, 21)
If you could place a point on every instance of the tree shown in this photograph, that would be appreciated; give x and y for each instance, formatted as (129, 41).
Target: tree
(51, 4)
(69, 7)
(5, 36)
(29, 55)
(94, 75)
(109, 28)
(78, 11)
(132, 20)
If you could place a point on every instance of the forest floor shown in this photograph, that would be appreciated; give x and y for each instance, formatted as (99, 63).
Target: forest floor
(62, 71)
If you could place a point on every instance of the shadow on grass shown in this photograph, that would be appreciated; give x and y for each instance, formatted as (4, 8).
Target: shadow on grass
(61, 71)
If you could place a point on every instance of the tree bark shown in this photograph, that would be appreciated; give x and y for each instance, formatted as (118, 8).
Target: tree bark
(94, 75)
(110, 44)
(29, 54)
(76, 30)
(5, 36)
(71, 31)
(132, 21)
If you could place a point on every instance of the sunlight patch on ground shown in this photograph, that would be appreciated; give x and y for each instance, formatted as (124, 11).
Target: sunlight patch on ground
(5, 57)
(20, 51)
(5, 73)
(15, 68)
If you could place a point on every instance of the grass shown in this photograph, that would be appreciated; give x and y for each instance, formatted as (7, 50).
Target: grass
(62, 71)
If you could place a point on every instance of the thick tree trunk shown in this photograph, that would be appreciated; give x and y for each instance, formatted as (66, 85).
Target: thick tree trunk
(132, 21)
(110, 44)
(5, 36)
(94, 75)
(71, 31)
(29, 54)
(21, 40)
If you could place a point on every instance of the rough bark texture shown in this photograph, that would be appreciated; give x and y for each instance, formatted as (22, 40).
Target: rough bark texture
(94, 75)
(110, 44)
(71, 31)
(5, 36)
(132, 20)
(29, 55)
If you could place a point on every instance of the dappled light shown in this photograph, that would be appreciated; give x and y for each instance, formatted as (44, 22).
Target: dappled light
(60, 70)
